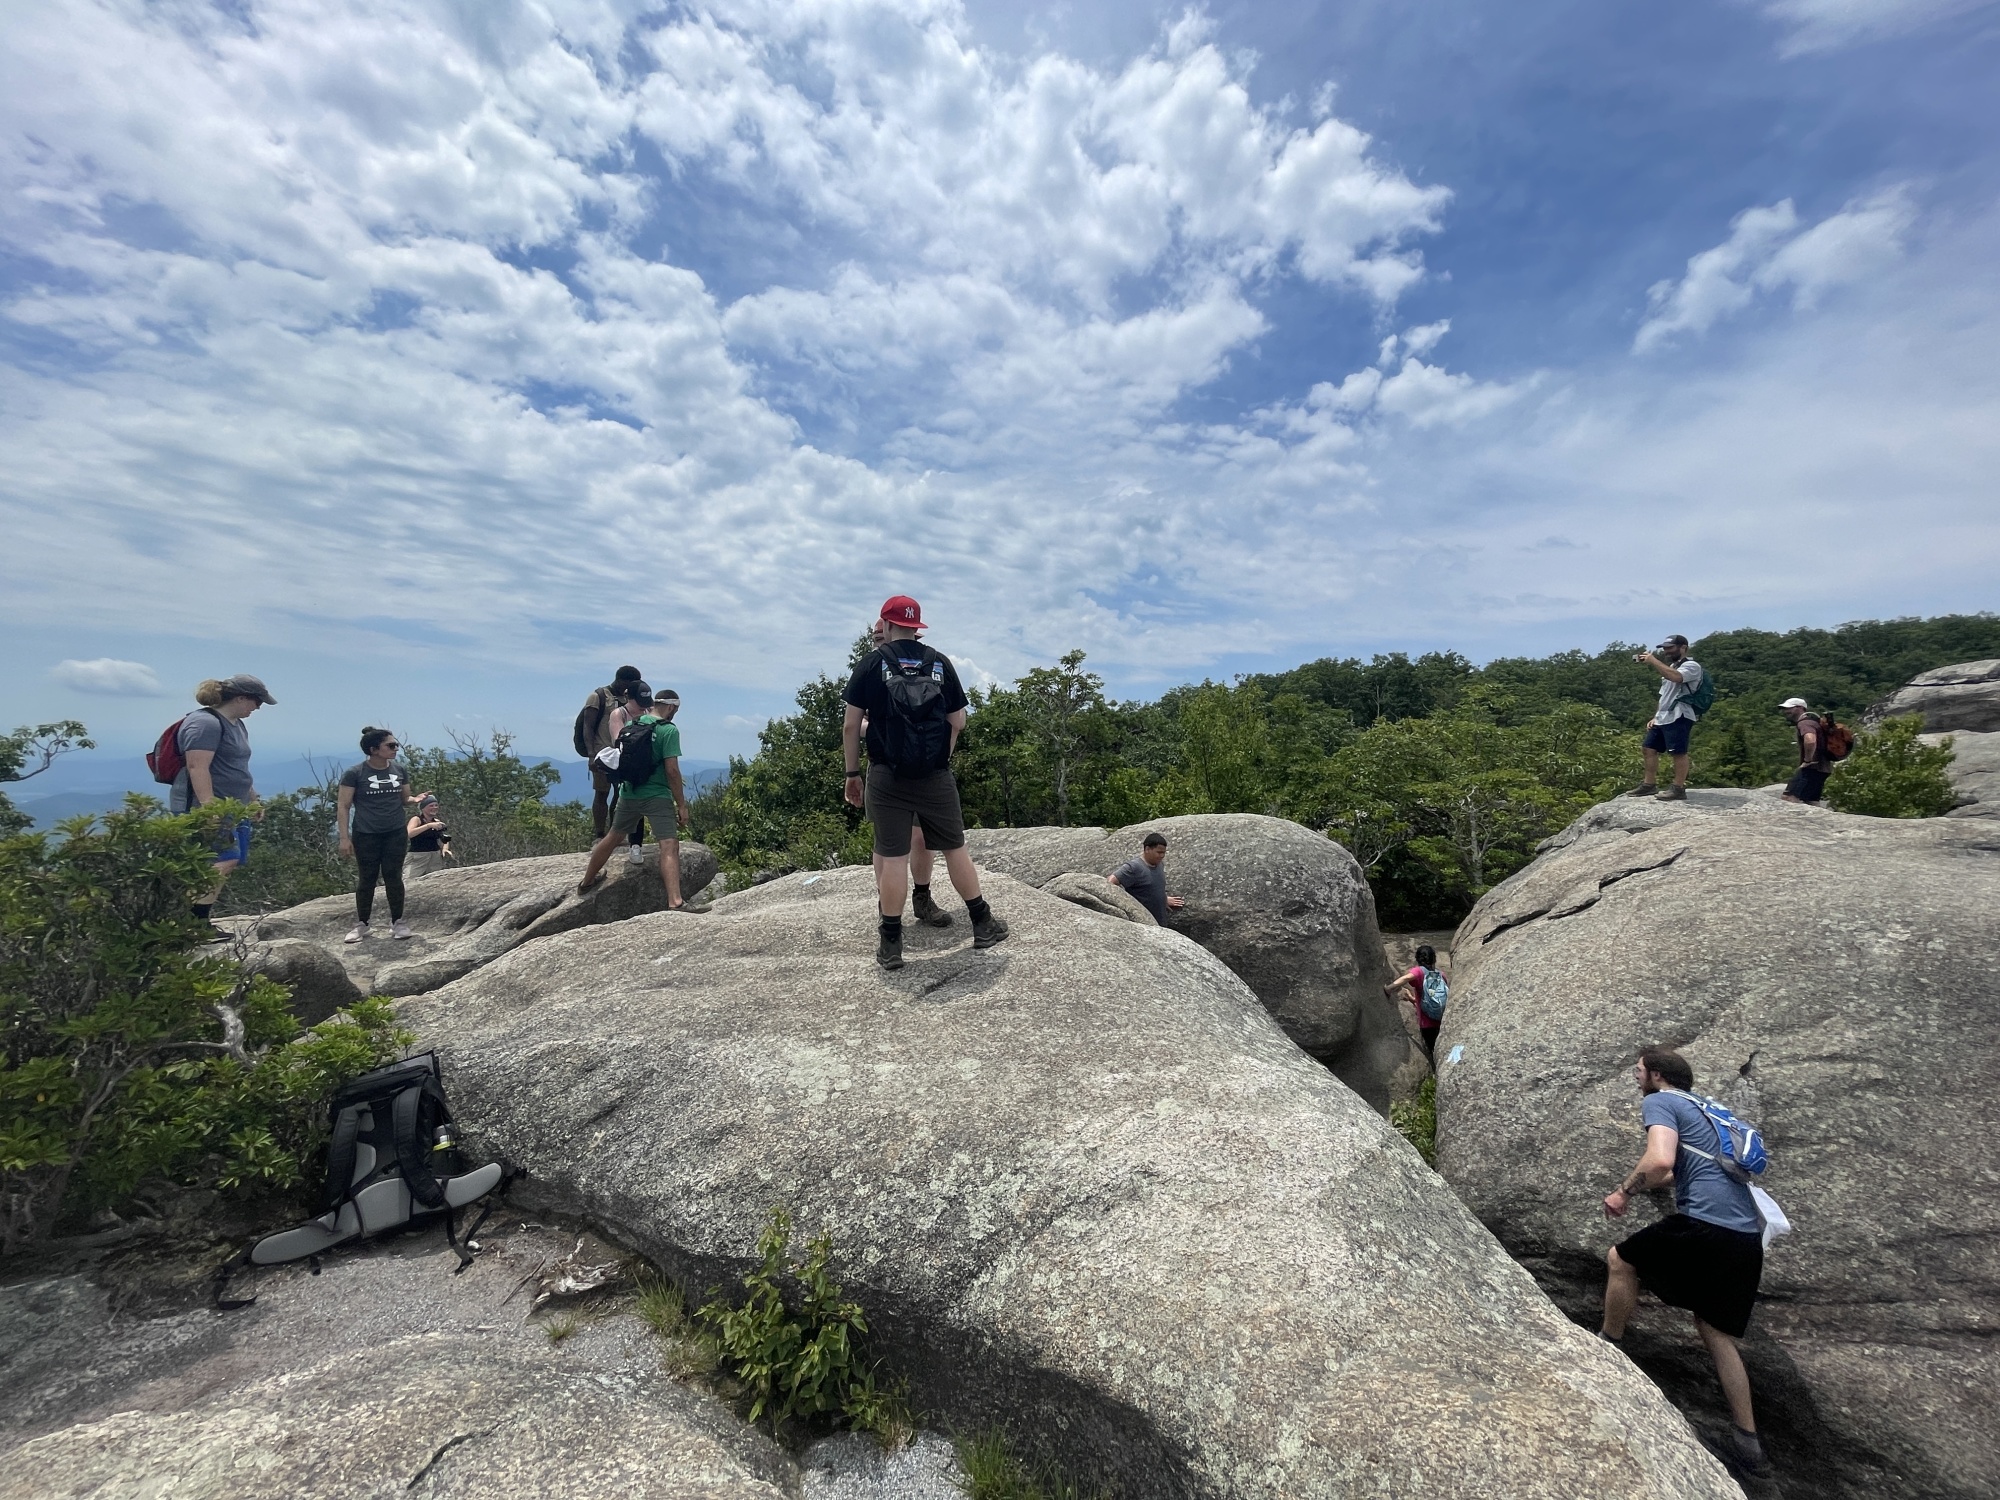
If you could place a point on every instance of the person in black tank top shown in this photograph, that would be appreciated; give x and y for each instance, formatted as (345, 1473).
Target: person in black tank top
(430, 839)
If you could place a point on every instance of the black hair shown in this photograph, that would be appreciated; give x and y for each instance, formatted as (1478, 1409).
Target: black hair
(1671, 1066)
(625, 674)
(1155, 841)
(1427, 955)
(371, 737)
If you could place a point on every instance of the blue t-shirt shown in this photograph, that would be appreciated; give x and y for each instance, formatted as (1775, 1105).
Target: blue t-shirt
(1702, 1190)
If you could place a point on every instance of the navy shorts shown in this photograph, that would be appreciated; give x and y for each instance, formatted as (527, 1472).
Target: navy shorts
(1808, 784)
(1671, 738)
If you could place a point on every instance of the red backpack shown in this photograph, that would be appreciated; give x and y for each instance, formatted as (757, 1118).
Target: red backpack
(165, 760)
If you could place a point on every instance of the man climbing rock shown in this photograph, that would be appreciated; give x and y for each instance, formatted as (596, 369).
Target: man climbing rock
(915, 711)
(1145, 880)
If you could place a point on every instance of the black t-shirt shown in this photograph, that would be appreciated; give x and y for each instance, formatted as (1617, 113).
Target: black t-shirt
(431, 840)
(868, 690)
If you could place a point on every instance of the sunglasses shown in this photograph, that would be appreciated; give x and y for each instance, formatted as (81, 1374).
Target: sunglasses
(391, 745)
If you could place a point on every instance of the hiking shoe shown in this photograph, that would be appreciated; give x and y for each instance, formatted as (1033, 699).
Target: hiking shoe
(986, 934)
(638, 853)
(1742, 1454)
(585, 887)
(1671, 794)
(401, 929)
(889, 952)
(928, 912)
(1645, 789)
(356, 933)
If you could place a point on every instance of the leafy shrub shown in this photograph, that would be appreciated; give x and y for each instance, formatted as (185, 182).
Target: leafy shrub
(40, 744)
(129, 1048)
(1417, 1120)
(804, 1361)
(1893, 774)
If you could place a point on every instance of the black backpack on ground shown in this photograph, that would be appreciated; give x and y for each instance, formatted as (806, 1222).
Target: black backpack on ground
(636, 759)
(392, 1161)
(915, 733)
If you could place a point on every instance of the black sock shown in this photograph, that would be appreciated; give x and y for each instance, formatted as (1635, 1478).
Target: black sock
(202, 909)
(892, 928)
(923, 890)
(977, 909)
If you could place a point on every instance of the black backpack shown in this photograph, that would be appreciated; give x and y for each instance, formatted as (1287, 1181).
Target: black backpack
(636, 760)
(392, 1161)
(915, 734)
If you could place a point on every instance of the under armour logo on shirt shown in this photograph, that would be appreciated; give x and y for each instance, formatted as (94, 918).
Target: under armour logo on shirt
(388, 783)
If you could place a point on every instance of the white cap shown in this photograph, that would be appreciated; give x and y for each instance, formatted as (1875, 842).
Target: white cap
(1793, 703)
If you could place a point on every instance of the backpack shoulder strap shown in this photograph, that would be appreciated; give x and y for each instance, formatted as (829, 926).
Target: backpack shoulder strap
(340, 1158)
(413, 1148)
(1700, 1102)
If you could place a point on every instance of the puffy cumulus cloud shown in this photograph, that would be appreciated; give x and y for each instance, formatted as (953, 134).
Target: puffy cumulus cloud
(1823, 25)
(107, 674)
(1768, 252)
(364, 316)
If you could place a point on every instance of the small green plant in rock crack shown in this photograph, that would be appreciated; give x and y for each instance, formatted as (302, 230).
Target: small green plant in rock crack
(1417, 1120)
(662, 1307)
(992, 1472)
(561, 1326)
(804, 1360)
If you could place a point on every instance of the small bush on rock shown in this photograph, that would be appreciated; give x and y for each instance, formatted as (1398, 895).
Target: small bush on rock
(992, 1472)
(1894, 774)
(130, 1047)
(805, 1360)
(1417, 1119)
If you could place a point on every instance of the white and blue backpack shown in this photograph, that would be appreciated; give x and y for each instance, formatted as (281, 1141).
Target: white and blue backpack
(1739, 1147)
(1435, 993)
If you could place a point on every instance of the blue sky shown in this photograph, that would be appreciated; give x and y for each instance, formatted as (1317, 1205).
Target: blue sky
(430, 359)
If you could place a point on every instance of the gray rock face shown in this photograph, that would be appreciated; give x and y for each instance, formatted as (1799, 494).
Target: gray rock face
(385, 1376)
(1082, 1183)
(1287, 910)
(319, 982)
(468, 917)
(1095, 893)
(1834, 976)
(1974, 772)
(1964, 696)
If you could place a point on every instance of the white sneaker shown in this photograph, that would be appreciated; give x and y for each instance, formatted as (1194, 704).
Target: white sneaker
(360, 931)
(637, 854)
(401, 929)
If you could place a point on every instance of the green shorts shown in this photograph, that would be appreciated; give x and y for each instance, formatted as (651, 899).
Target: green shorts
(661, 812)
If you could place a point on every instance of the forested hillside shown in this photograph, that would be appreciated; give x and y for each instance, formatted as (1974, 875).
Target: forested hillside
(1440, 776)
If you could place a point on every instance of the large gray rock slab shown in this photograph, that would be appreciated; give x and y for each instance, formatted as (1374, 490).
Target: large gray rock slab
(1974, 772)
(1963, 696)
(1835, 977)
(466, 917)
(319, 982)
(1084, 1185)
(384, 1376)
(1094, 893)
(1288, 911)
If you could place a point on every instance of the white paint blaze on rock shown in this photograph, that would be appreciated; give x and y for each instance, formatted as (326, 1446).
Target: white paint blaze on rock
(1848, 964)
(1082, 1182)
(1287, 909)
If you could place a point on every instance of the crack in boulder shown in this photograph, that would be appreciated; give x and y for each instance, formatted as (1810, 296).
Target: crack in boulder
(438, 1457)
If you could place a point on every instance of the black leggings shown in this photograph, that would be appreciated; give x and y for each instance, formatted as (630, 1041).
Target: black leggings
(380, 856)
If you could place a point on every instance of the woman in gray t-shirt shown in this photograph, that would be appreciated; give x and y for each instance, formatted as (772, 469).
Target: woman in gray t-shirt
(215, 756)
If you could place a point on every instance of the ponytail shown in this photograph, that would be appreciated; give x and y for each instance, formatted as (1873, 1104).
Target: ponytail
(209, 694)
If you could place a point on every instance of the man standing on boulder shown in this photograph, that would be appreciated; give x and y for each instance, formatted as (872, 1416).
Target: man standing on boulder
(915, 711)
(1707, 1256)
(1808, 783)
(660, 797)
(1145, 882)
(594, 730)
(1673, 720)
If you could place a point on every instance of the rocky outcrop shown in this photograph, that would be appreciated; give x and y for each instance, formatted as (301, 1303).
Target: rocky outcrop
(1287, 910)
(385, 1375)
(319, 982)
(1095, 893)
(1974, 772)
(1965, 696)
(1082, 1183)
(469, 916)
(1833, 976)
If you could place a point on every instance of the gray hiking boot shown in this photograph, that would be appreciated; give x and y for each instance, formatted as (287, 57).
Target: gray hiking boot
(927, 910)
(1645, 789)
(1671, 794)
(986, 934)
(1742, 1454)
(889, 952)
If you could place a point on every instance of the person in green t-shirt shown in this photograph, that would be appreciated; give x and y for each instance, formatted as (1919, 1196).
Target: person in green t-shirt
(661, 798)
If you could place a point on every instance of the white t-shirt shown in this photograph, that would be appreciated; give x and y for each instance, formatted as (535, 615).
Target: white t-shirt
(1674, 695)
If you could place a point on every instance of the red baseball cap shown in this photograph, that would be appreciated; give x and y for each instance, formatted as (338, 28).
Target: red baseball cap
(903, 610)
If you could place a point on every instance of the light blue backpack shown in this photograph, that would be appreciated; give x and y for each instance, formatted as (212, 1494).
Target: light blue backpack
(1436, 992)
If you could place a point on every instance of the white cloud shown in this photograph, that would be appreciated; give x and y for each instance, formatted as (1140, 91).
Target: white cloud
(107, 674)
(1823, 25)
(1767, 252)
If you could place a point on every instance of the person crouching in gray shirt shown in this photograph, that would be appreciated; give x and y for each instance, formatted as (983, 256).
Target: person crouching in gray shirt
(1145, 881)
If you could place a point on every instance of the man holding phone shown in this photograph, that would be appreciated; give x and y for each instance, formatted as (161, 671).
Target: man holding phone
(1673, 720)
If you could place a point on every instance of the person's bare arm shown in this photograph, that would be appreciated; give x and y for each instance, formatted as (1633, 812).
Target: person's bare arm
(340, 813)
(680, 793)
(1655, 1169)
(1402, 987)
(1672, 674)
(850, 753)
(1810, 741)
(201, 781)
(957, 722)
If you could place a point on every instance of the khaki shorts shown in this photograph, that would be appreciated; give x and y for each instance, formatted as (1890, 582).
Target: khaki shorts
(659, 811)
(895, 802)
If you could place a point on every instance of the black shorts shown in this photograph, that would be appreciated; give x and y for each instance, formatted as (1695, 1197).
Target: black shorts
(1711, 1271)
(895, 802)
(1807, 783)
(1671, 737)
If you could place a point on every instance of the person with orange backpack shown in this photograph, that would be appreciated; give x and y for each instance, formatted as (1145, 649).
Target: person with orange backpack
(206, 755)
(1822, 742)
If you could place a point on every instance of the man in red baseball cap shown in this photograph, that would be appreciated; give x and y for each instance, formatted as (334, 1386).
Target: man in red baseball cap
(915, 710)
